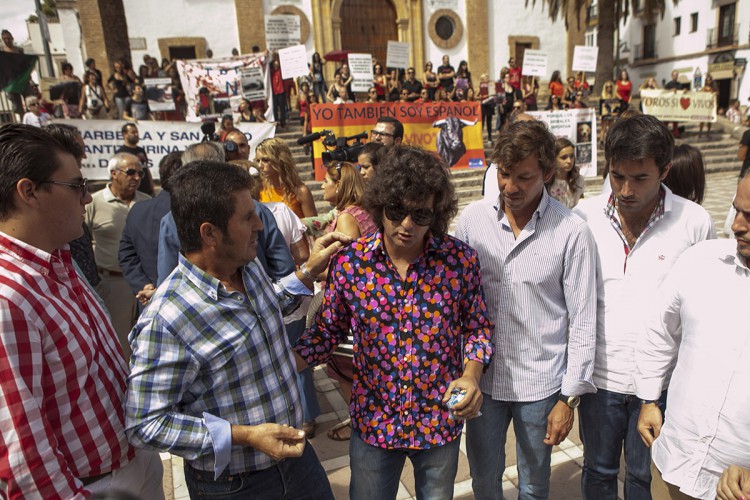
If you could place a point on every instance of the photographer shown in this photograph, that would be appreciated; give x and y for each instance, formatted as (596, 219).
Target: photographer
(94, 103)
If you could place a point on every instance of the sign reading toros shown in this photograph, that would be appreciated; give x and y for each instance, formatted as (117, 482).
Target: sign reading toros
(669, 105)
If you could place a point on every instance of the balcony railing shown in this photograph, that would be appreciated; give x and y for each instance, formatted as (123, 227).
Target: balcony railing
(715, 38)
(642, 52)
(593, 12)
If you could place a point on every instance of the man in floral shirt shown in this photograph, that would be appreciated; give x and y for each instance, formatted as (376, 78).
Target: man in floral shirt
(411, 296)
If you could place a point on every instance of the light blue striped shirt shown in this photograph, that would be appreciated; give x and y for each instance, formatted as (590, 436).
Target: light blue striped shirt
(540, 290)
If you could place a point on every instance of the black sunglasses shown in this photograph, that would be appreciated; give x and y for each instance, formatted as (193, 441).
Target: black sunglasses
(131, 172)
(421, 216)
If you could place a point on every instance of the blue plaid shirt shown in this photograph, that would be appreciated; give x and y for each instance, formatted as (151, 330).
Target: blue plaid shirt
(205, 358)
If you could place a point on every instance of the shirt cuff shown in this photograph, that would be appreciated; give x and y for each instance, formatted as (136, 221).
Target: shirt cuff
(576, 387)
(221, 434)
(292, 285)
(647, 389)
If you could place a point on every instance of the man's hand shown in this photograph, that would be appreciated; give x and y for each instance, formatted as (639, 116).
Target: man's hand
(323, 250)
(559, 422)
(276, 441)
(145, 295)
(649, 423)
(469, 406)
(734, 484)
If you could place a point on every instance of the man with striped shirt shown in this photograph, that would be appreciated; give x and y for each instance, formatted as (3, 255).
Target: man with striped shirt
(538, 265)
(63, 370)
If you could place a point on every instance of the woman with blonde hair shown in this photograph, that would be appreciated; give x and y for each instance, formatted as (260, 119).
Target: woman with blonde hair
(281, 181)
(609, 107)
(708, 86)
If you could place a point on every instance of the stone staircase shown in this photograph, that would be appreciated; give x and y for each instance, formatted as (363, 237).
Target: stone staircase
(719, 154)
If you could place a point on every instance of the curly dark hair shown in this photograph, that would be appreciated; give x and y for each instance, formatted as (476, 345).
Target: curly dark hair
(411, 174)
(521, 139)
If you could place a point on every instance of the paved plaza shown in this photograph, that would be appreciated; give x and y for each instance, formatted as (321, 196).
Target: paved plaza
(567, 459)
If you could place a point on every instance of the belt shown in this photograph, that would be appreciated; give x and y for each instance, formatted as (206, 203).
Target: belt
(90, 480)
(107, 272)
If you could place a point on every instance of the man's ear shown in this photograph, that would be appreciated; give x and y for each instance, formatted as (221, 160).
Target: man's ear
(26, 191)
(549, 174)
(664, 174)
(210, 235)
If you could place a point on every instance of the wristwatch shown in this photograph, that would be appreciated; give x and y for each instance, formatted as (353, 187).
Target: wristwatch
(571, 401)
(306, 273)
(650, 402)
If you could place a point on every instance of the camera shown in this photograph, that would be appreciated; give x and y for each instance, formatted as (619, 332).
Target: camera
(337, 149)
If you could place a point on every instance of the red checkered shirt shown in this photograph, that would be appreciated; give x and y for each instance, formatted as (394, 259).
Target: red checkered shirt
(62, 378)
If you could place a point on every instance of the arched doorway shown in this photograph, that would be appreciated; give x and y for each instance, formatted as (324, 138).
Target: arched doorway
(367, 25)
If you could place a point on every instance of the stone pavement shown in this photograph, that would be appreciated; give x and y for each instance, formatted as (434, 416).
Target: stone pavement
(566, 459)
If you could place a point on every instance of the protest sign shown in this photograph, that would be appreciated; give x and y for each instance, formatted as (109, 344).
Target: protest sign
(579, 126)
(293, 62)
(360, 67)
(103, 137)
(282, 31)
(453, 130)
(158, 91)
(584, 58)
(534, 63)
(397, 55)
(679, 106)
(253, 87)
(209, 84)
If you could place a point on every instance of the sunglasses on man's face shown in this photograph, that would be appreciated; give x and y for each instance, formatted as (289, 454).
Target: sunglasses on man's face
(421, 216)
(131, 172)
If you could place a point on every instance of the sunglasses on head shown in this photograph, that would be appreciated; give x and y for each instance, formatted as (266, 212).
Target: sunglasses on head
(421, 216)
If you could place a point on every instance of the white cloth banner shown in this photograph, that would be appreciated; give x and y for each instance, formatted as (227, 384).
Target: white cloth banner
(579, 126)
(679, 106)
(213, 85)
(104, 137)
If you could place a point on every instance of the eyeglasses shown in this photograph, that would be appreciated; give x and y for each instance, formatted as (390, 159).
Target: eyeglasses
(421, 216)
(33, 104)
(82, 186)
(377, 133)
(131, 172)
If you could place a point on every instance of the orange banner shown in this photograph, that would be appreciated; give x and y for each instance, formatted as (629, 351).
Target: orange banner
(453, 129)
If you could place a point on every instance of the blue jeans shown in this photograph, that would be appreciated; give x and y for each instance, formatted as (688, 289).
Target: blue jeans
(292, 478)
(310, 405)
(376, 471)
(485, 446)
(609, 420)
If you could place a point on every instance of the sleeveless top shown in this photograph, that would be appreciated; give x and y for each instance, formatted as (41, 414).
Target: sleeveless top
(270, 195)
(362, 216)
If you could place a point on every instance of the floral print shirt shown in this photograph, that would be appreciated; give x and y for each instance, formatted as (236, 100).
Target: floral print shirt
(412, 336)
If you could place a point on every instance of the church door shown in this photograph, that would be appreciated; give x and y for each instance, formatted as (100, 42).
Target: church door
(367, 25)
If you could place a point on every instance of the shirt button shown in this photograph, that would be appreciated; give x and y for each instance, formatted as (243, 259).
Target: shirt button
(291, 407)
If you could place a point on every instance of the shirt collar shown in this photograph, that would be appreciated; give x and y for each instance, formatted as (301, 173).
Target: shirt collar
(733, 258)
(541, 209)
(35, 257)
(199, 278)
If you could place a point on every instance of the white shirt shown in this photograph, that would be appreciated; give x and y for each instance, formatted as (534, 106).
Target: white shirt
(627, 282)
(40, 121)
(291, 227)
(540, 290)
(490, 186)
(701, 320)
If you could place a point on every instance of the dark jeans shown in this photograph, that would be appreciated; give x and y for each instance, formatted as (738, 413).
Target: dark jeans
(279, 108)
(291, 479)
(608, 421)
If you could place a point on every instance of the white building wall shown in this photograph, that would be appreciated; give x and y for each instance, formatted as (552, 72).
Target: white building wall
(515, 18)
(216, 21)
(434, 53)
(71, 33)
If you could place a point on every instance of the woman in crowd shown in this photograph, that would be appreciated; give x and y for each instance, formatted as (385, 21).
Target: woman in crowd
(556, 86)
(404, 96)
(178, 96)
(511, 96)
(226, 125)
(119, 83)
(71, 95)
(379, 81)
(245, 112)
(281, 182)
(346, 79)
(94, 103)
(529, 92)
(343, 188)
(316, 73)
(579, 102)
(304, 107)
(687, 177)
(582, 84)
(570, 92)
(394, 86)
(338, 92)
(708, 86)
(488, 104)
(372, 95)
(567, 185)
(429, 80)
(424, 96)
(369, 158)
(609, 108)
(555, 103)
(463, 77)
(624, 90)
(650, 83)
(459, 95)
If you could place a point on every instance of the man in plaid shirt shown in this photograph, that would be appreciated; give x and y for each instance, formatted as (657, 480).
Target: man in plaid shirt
(213, 378)
(62, 371)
